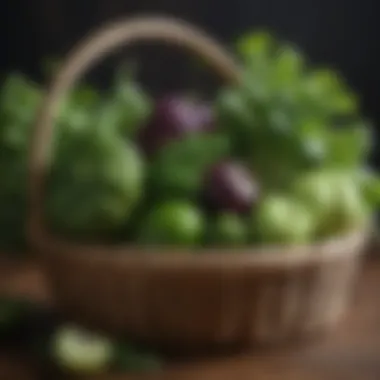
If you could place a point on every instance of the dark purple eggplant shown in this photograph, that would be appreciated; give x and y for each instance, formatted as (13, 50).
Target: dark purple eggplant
(175, 117)
(230, 187)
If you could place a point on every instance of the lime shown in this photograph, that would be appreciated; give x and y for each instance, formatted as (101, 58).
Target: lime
(177, 223)
(228, 230)
(283, 220)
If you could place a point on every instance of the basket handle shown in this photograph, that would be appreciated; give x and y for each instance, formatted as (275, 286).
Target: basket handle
(88, 53)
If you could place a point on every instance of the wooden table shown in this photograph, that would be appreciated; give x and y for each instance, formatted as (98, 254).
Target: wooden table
(352, 352)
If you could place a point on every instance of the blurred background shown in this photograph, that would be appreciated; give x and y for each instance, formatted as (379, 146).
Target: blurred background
(339, 33)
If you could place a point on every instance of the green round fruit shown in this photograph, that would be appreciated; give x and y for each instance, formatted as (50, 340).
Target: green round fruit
(173, 223)
(228, 230)
(350, 212)
(335, 199)
(282, 220)
(78, 351)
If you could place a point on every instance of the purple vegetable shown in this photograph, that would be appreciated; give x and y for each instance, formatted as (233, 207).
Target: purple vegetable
(173, 118)
(229, 186)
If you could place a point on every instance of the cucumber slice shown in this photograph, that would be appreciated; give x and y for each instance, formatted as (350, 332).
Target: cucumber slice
(79, 351)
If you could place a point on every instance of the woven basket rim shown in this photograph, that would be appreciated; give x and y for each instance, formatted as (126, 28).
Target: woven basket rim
(266, 257)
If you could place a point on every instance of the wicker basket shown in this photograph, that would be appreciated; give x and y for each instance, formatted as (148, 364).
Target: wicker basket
(214, 297)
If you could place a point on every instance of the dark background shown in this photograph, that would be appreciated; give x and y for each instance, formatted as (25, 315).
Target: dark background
(339, 33)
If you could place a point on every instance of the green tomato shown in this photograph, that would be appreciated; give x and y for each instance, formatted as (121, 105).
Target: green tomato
(79, 351)
(176, 223)
(317, 191)
(228, 230)
(335, 199)
(282, 220)
(350, 210)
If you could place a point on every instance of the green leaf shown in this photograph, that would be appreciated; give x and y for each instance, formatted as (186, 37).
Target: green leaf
(77, 111)
(237, 119)
(256, 45)
(131, 105)
(349, 147)
(288, 66)
(19, 99)
(370, 185)
(327, 91)
(179, 168)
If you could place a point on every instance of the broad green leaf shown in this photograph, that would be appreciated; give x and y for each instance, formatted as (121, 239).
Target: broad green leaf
(348, 147)
(370, 185)
(19, 99)
(78, 110)
(178, 169)
(131, 103)
(328, 91)
(256, 45)
(288, 67)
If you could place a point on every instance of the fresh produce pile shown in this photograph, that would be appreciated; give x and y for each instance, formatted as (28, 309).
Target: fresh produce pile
(279, 159)
(62, 347)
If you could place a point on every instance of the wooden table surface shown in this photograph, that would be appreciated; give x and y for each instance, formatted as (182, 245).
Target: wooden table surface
(352, 352)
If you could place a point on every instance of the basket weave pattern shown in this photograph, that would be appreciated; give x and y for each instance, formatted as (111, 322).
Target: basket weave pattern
(247, 296)
(184, 301)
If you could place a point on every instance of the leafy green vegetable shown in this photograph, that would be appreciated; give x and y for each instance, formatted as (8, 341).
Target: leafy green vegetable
(128, 107)
(95, 185)
(97, 176)
(285, 121)
(369, 183)
(18, 102)
(348, 147)
(228, 230)
(256, 46)
(178, 170)
(282, 118)
(19, 99)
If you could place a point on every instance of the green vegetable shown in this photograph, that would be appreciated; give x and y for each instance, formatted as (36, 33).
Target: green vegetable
(348, 148)
(18, 101)
(97, 177)
(19, 98)
(178, 169)
(296, 128)
(336, 201)
(129, 104)
(177, 223)
(282, 119)
(79, 351)
(228, 230)
(95, 185)
(350, 213)
(282, 220)
(369, 183)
